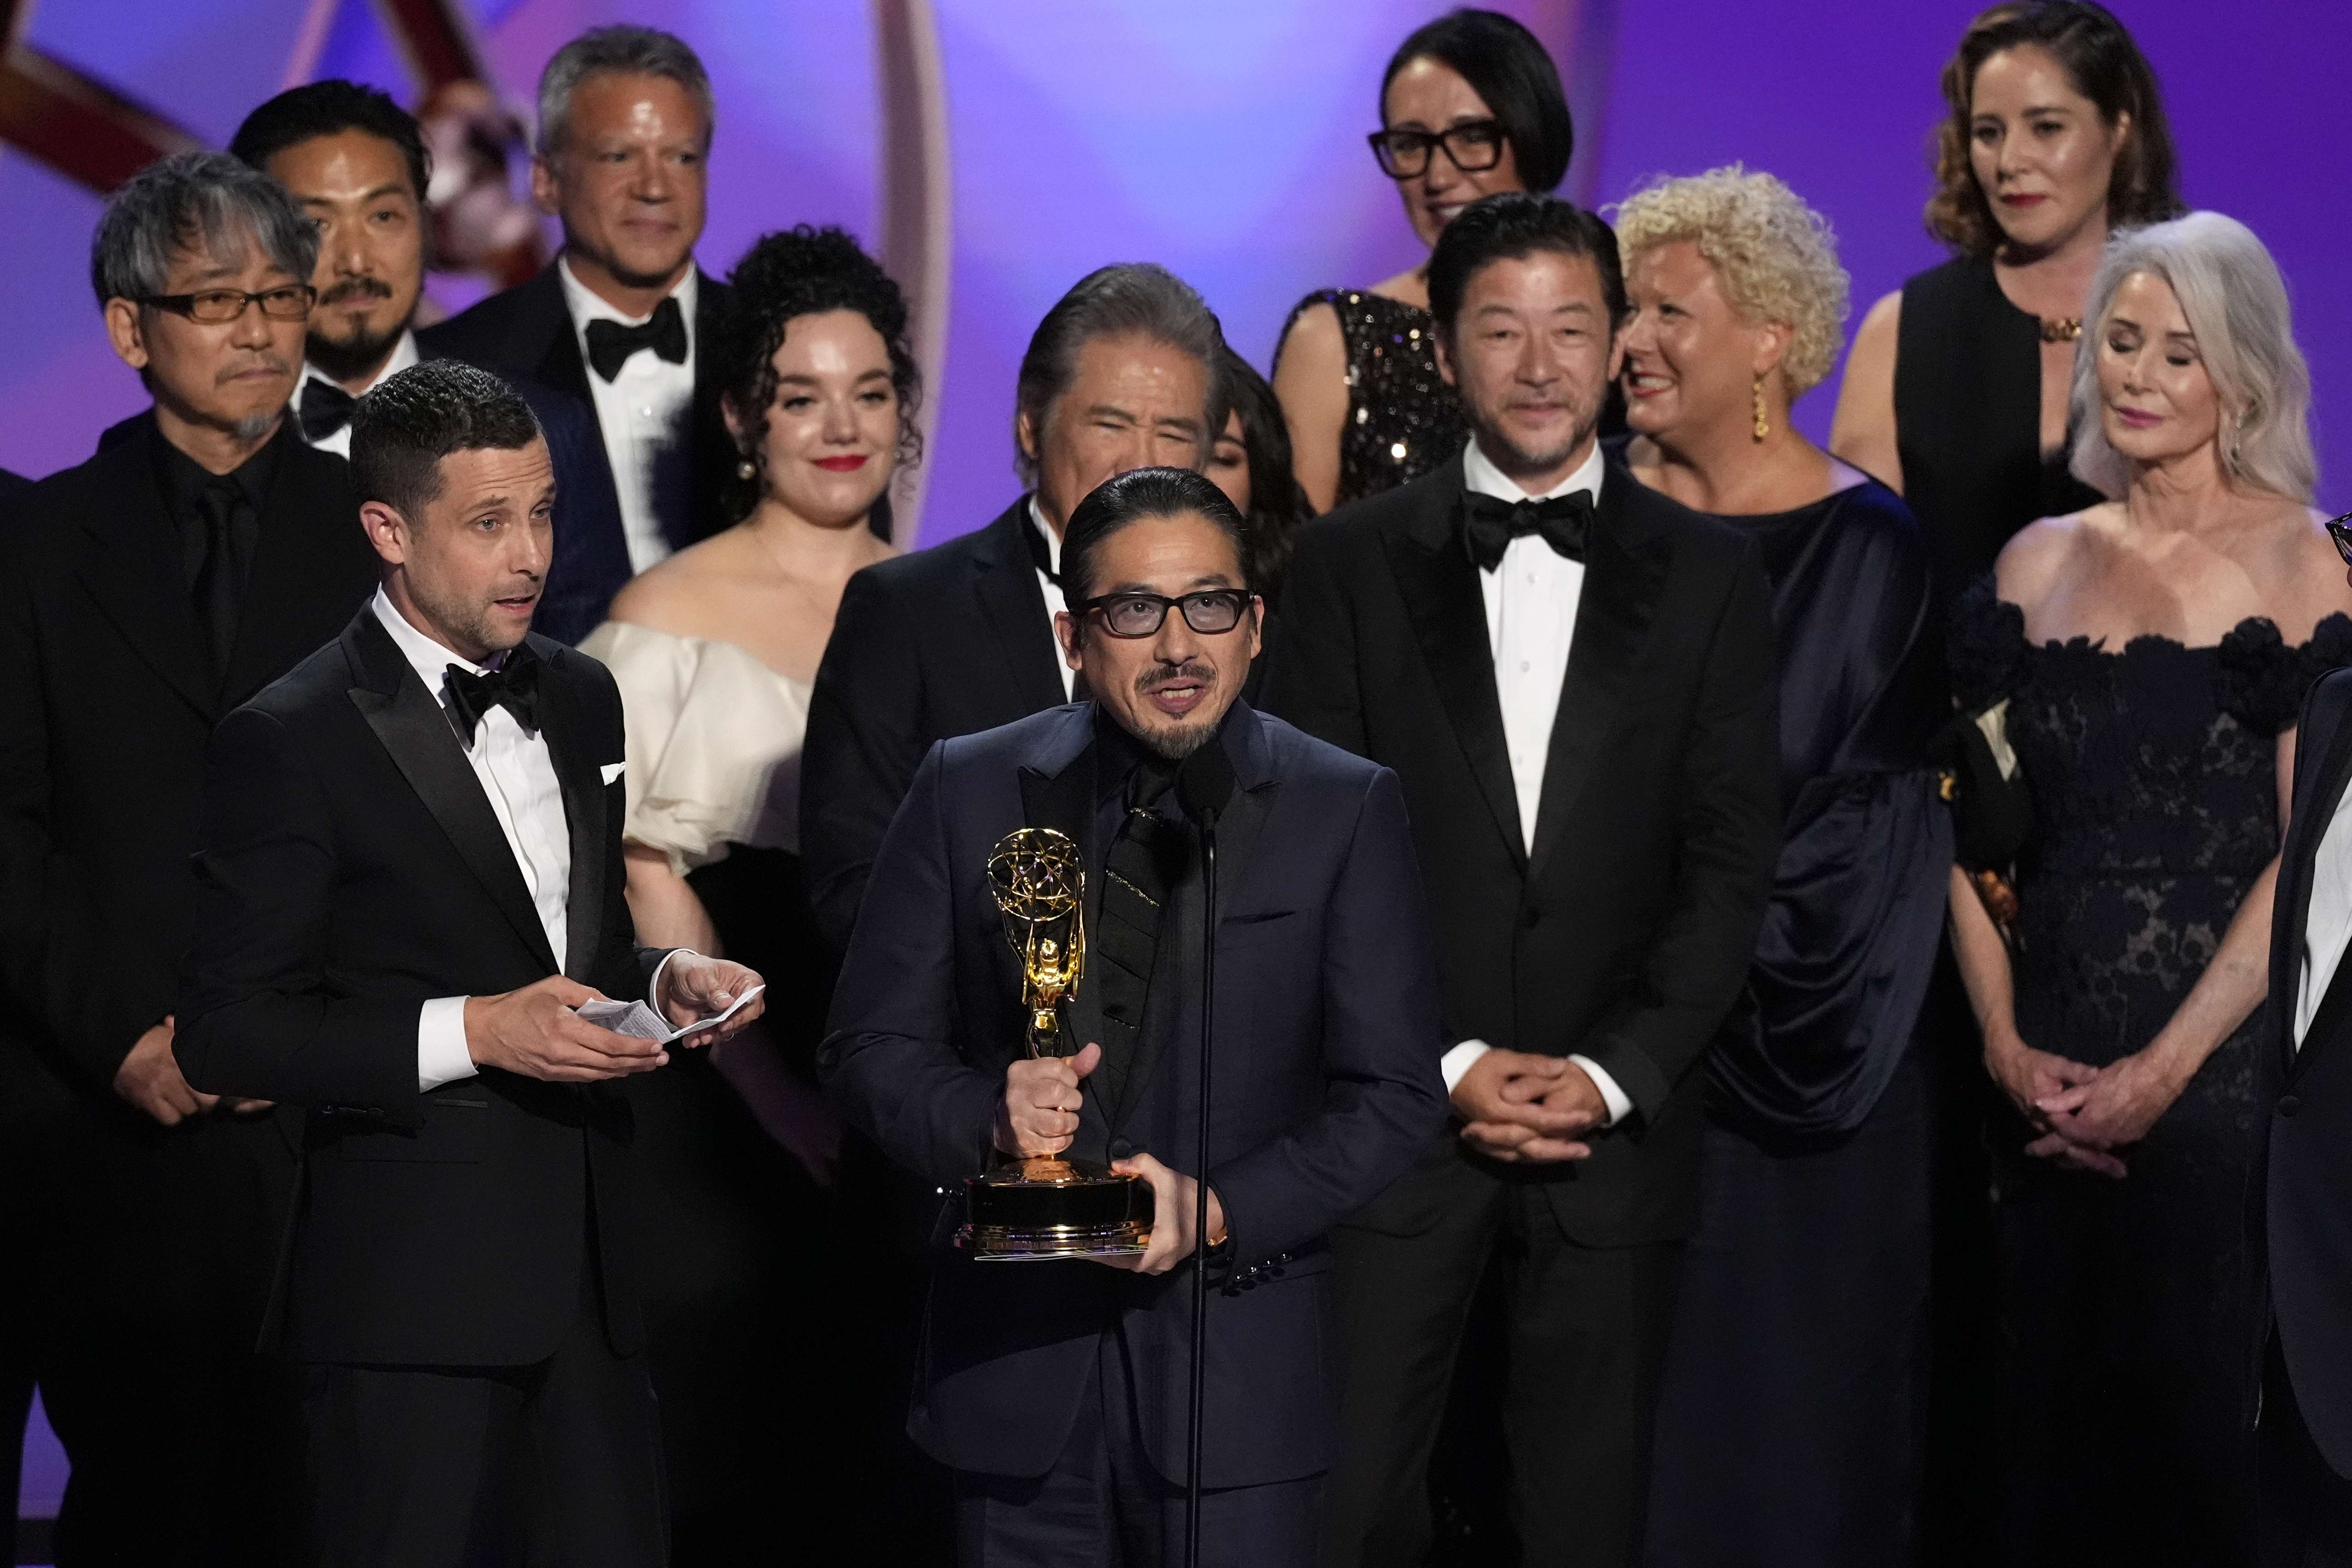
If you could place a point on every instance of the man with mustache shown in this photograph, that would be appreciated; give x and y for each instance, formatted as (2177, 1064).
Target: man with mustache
(356, 163)
(143, 594)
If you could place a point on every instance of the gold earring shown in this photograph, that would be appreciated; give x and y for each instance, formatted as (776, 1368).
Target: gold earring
(1763, 425)
(746, 471)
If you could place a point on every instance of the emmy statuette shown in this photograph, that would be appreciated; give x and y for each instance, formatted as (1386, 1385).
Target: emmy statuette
(1042, 1205)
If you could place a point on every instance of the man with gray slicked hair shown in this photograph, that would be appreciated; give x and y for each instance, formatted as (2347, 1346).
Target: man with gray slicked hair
(196, 558)
(625, 118)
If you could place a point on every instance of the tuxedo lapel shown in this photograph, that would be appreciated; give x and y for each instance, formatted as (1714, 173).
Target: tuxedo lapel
(415, 731)
(2299, 866)
(565, 726)
(1005, 581)
(1442, 599)
(132, 568)
(541, 335)
(1624, 577)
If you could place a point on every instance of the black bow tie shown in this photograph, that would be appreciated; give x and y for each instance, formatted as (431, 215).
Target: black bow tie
(514, 686)
(609, 345)
(326, 408)
(1489, 523)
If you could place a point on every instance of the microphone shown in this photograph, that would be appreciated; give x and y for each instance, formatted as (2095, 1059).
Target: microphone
(1204, 782)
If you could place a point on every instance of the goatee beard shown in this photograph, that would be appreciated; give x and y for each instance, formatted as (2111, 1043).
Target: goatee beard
(356, 359)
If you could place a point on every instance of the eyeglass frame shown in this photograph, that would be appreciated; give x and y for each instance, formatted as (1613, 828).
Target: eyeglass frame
(1085, 607)
(186, 304)
(1433, 141)
(2339, 529)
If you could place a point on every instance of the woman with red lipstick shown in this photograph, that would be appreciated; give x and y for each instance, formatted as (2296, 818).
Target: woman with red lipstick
(1804, 1290)
(714, 651)
(2152, 652)
(1955, 395)
(1471, 105)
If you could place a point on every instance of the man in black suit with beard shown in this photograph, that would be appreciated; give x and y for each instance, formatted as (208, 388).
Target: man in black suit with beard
(143, 594)
(626, 119)
(1574, 677)
(410, 874)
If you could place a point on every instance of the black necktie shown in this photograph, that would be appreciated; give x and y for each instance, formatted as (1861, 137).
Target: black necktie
(326, 408)
(609, 345)
(514, 686)
(219, 580)
(1144, 863)
(1489, 523)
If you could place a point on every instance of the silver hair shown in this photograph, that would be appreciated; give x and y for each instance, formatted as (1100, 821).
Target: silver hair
(193, 199)
(2236, 304)
(619, 50)
(1128, 299)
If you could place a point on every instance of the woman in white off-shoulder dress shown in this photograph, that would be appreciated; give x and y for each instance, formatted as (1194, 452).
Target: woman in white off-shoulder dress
(714, 651)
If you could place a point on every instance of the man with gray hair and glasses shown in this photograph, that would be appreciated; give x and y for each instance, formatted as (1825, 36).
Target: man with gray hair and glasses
(624, 126)
(143, 594)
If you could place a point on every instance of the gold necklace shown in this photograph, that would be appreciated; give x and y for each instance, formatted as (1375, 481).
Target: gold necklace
(2060, 329)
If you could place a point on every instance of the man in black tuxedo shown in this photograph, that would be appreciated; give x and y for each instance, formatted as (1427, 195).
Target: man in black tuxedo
(356, 163)
(1120, 374)
(1057, 1391)
(624, 126)
(1574, 676)
(410, 876)
(143, 594)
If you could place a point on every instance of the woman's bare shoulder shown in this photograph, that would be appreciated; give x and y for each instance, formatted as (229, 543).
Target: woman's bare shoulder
(2033, 560)
(674, 595)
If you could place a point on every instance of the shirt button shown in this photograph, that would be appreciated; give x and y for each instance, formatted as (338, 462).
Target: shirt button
(1524, 665)
(1531, 579)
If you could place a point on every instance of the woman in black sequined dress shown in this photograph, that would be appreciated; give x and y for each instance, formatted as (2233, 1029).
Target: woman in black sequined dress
(1471, 105)
(2143, 648)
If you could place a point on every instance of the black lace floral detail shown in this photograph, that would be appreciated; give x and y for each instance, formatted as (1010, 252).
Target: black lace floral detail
(2263, 681)
(1985, 641)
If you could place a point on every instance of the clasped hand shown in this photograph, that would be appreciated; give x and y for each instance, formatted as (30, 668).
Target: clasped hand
(1524, 1106)
(2083, 1114)
(535, 1032)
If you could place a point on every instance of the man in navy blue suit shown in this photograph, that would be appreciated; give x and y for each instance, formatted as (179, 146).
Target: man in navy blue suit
(1057, 1391)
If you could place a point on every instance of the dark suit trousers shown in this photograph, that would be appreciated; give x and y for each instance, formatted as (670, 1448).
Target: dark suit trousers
(1104, 1505)
(1584, 1354)
(556, 1462)
(2306, 1507)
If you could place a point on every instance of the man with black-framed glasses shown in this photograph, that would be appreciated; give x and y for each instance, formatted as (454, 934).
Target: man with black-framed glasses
(202, 553)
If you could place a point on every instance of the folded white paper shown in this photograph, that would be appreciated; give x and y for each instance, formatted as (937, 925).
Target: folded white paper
(639, 1021)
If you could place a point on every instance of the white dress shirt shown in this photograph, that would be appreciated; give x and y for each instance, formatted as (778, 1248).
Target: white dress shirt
(517, 774)
(642, 412)
(2328, 925)
(1055, 603)
(1531, 597)
(339, 441)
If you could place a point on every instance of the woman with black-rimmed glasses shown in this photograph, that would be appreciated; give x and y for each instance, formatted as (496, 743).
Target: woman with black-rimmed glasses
(1471, 104)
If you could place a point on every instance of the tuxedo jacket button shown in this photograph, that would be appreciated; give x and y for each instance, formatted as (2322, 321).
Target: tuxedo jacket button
(1122, 1148)
(2289, 1104)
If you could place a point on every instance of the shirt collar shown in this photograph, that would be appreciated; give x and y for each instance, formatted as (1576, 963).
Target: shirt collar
(1046, 532)
(428, 659)
(586, 305)
(403, 354)
(1482, 476)
(182, 476)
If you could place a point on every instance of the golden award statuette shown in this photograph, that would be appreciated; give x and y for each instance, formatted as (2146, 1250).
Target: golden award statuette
(1041, 1206)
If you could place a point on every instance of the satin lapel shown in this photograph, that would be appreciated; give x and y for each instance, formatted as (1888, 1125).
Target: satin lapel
(582, 778)
(1005, 581)
(415, 731)
(1623, 580)
(543, 337)
(132, 569)
(2311, 817)
(1441, 598)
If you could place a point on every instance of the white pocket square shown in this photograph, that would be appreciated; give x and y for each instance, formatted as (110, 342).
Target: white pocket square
(614, 770)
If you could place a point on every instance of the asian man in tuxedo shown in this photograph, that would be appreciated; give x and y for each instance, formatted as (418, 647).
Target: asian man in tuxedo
(1575, 679)
(357, 163)
(409, 876)
(624, 126)
(143, 594)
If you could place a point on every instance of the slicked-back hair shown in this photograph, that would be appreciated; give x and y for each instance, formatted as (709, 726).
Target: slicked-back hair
(1132, 496)
(1507, 67)
(329, 107)
(623, 50)
(1511, 225)
(203, 201)
(403, 427)
(1128, 299)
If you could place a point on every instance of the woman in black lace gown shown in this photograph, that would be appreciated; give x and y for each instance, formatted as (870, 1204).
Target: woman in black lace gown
(1471, 105)
(2153, 653)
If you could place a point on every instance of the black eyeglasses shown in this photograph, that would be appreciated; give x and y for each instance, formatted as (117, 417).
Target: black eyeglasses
(1209, 612)
(217, 307)
(1472, 146)
(2340, 531)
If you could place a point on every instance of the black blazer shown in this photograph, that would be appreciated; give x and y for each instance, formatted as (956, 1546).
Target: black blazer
(13, 489)
(2302, 1182)
(526, 331)
(591, 549)
(107, 699)
(1325, 1085)
(1624, 933)
(947, 641)
(351, 870)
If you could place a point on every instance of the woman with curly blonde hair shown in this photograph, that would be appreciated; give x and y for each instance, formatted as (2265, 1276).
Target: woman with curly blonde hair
(1785, 1433)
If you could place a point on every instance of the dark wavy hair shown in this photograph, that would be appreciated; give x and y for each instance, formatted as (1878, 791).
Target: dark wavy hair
(1506, 66)
(2106, 68)
(803, 271)
(1279, 507)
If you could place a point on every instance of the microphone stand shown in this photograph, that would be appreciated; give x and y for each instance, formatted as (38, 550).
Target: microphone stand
(1204, 784)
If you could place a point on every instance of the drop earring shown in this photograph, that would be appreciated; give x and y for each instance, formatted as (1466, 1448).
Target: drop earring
(747, 470)
(1763, 425)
